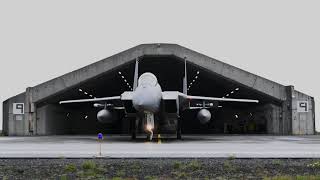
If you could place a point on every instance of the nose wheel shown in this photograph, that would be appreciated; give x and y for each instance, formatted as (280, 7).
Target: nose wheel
(150, 136)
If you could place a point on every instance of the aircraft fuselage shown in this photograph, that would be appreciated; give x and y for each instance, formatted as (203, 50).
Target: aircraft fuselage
(146, 99)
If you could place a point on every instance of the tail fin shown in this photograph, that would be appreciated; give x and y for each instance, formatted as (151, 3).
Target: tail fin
(136, 74)
(185, 80)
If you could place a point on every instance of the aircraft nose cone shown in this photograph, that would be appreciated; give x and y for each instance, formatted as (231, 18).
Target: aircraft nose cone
(139, 106)
(140, 103)
(147, 99)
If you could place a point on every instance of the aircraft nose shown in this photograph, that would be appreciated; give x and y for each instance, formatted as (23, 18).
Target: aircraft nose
(139, 101)
(146, 100)
(139, 104)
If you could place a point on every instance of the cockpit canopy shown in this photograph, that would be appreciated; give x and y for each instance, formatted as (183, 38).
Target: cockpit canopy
(147, 79)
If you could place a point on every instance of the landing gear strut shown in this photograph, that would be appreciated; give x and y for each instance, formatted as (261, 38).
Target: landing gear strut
(149, 117)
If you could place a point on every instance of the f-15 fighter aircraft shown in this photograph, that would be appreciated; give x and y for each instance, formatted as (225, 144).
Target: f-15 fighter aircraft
(148, 102)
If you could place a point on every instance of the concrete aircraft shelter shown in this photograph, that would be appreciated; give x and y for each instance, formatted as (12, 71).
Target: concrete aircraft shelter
(282, 110)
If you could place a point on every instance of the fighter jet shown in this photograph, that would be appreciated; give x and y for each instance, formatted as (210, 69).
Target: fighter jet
(147, 103)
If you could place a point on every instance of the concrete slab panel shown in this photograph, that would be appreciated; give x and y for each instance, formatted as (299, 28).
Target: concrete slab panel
(190, 147)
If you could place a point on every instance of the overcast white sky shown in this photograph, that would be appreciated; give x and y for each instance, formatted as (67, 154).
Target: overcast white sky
(40, 40)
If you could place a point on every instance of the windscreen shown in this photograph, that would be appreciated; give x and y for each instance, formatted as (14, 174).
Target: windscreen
(147, 79)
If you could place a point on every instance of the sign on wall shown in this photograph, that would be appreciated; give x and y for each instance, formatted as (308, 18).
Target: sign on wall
(19, 117)
(18, 108)
(302, 106)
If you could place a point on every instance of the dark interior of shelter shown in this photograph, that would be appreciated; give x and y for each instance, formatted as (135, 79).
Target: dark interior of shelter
(227, 117)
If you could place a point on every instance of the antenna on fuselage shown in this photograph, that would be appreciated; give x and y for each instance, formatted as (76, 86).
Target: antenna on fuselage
(185, 81)
(136, 74)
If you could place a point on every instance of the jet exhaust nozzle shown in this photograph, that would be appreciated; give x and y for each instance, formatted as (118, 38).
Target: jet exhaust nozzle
(204, 116)
(105, 116)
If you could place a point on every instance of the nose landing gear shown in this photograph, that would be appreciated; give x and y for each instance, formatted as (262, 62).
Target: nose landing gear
(149, 117)
(150, 136)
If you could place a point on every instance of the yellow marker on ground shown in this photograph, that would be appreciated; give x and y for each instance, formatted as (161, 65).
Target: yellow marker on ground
(159, 139)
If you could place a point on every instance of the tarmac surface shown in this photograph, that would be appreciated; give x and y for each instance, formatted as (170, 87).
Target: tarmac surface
(192, 146)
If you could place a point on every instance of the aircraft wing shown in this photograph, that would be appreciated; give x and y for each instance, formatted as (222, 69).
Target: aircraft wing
(104, 99)
(203, 98)
(187, 99)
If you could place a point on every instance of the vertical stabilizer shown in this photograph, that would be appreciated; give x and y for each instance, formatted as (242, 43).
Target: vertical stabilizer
(136, 74)
(185, 80)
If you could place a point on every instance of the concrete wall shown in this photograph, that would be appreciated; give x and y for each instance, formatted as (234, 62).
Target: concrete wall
(302, 122)
(14, 124)
(5, 117)
(271, 114)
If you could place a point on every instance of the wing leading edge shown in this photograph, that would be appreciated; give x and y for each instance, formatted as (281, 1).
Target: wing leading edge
(173, 95)
(221, 99)
(92, 100)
